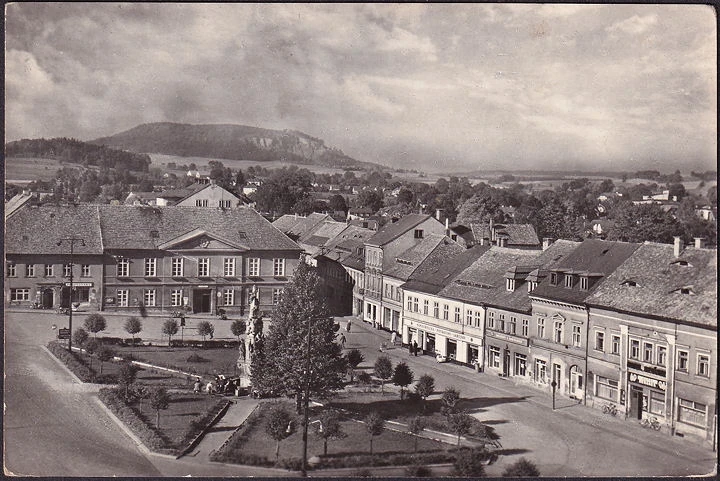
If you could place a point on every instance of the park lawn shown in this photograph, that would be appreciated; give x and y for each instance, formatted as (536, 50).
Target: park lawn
(212, 360)
(256, 442)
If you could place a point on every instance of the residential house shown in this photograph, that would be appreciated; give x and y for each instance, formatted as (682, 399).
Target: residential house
(430, 253)
(434, 321)
(295, 226)
(381, 250)
(558, 338)
(706, 212)
(210, 195)
(653, 338)
(517, 236)
(494, 295)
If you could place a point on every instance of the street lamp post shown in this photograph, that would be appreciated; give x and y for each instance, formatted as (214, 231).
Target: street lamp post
(554, 386)
(71, 241)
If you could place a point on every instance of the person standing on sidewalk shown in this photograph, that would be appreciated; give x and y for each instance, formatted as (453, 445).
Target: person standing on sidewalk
(415, 348)
(342, 340)
(393, 337)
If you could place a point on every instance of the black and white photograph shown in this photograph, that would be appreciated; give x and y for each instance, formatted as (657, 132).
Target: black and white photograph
(347, 240)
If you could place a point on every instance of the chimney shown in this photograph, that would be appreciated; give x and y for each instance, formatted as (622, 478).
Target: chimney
(547, 241)
(438, 214)
(447, 225)
(699, 242)
(678, 247)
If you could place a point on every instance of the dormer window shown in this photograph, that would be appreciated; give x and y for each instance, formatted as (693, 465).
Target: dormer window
(418, 233)
(584, 283)
(510, 284)
(681, 262)
(531, 286)
(554, 278)
(568, 280)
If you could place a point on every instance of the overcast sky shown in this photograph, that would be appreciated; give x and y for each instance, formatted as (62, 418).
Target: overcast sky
(434, 86)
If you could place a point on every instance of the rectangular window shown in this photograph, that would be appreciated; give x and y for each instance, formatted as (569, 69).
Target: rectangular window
(510, 284)
(568, 280)
(600, 341)
(67, 270)
(229, 267)
(615, 345)
(123, 267)
(201, 202)
(122, 297)
(426, 306)
(647, 352)
(436, 310)
(494, 357)
(149, 297)
(12, 270)
(554, 278)
(254, 267)
(606, 388)
(203, 267)
(418, 233)
(446, 312)
(520, 364)
(558, 332)
(541, 328)
(703, 365)
(540, 370)
(20, 294)
(150, 267)
(176, 267)
(661, 355)
(657, 403)
(85, 270)
(513, 325)
(30, 270)
(691, 412)
(501, 327)
(468, 317)
(416, 303)
(228, 297)
(634, 349)
(278, 267)
(491, 319)
(557, 373)
(224, 204)
(478, 318)
(576, 336)
(584, 283)
(525, 327)
(276, 296)
(682, 360)
(409, 303)
(176, 297)
(457, 314)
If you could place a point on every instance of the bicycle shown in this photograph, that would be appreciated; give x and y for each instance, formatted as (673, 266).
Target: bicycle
(610, 408)
(651, 423)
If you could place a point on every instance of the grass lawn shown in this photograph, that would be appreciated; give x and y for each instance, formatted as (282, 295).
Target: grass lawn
(205, 362)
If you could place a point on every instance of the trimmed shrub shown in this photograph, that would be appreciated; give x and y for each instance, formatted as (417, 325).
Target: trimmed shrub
(71, 360)
(150, 437)
(522, 468)
(418, 471)
(469, 464)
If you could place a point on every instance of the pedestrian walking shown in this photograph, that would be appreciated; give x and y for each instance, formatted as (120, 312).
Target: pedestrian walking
(347, 327)
(197, 386)
(415, 348)
(342, 340)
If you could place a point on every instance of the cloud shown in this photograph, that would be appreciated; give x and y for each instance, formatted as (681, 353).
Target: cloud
(634, 25)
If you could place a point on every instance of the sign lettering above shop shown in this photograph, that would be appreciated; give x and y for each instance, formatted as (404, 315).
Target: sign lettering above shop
(80, 284)
(646, 381)
(429, 328)
(508, 338)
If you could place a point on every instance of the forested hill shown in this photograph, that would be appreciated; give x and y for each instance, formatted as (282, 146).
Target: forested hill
(227, 141)
(72, 150)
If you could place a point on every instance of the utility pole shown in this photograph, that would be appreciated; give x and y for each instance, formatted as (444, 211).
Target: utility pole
(71, 241)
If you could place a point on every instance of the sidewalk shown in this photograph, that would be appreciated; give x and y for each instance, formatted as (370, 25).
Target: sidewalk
(218, 435)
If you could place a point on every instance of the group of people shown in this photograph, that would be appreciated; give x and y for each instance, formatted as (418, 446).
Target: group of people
(219, 385)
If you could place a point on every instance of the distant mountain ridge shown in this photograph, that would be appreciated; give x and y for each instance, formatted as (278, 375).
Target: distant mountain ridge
(232, 142)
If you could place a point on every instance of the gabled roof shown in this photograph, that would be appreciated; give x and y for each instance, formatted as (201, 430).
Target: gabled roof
(208, 186)
(435, 280)
(484, 282)
(437, 246)
(516, 234)
(594, 257)
(392, 231)
(17, 201)
(34, 230)
(327, 229)
(296, 225)
(181, 193)
(658, 280)
(141, 227)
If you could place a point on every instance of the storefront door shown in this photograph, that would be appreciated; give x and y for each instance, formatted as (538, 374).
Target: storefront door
(48, 298)
(430, 344)
(636, 400)
(451, 349)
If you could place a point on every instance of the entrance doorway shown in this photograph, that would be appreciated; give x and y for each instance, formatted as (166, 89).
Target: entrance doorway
(451, 350)
(576, 383)
(201, 300)
(48, 299)
(430, 343)
(506, 362)
(636, 402)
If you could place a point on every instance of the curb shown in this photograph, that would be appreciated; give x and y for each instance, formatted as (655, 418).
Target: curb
(62, 364)
(141, 446)
(204, 431)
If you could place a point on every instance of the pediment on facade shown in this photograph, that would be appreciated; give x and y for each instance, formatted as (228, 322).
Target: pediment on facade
(199, 239)
(558, 317)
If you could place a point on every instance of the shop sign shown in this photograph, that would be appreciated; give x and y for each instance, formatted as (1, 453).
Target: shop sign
(110, 301)
(442, 332)
(646, 381)
(64, 333)
(508, 338)
(80, 284)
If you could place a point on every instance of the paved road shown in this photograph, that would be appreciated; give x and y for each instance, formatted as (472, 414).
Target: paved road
(571, 441)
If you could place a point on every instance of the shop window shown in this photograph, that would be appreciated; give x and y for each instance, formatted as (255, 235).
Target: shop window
(691, 412)
(647, 352)
(606, 388)
(122, 297)
(703, 365)
(634, 349)
(21, 294)
(30, 270)
(176, 297)
(494, 356)
(683, 360)
(149, 297)
(657, 403)
(176, 267)
(600, 341)
(615, 345)
(520, 364)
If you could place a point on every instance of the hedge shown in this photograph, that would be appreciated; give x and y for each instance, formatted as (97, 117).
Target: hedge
(77, 365)
(209, 344)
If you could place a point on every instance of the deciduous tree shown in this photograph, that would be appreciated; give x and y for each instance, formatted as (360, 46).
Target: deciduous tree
(375, 425)
(328, 428)
(170, 328)
(383, 370)
(95, 323)
(425, 387)
(133, 325)
(403, 377)
(460, 424)
(279, 426)
(416, 426)
(522, 468)
(205, 328)
(238, 327)
(159, 400)
(354, 358)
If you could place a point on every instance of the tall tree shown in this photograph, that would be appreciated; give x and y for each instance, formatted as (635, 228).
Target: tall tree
(480, 209)
(425, 387)
(159, 400)
(170, 328)
(281, 362)
(643, 222)
(403, 377)
(370, 199)
(375, 425)
(337, 203)
(279, 426)
(95, 323)
(383, 370)
(133, 325)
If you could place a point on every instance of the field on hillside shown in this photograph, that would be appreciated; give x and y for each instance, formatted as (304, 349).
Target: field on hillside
(23, 170)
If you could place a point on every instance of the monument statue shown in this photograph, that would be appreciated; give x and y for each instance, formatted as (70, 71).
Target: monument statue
(253, 334)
